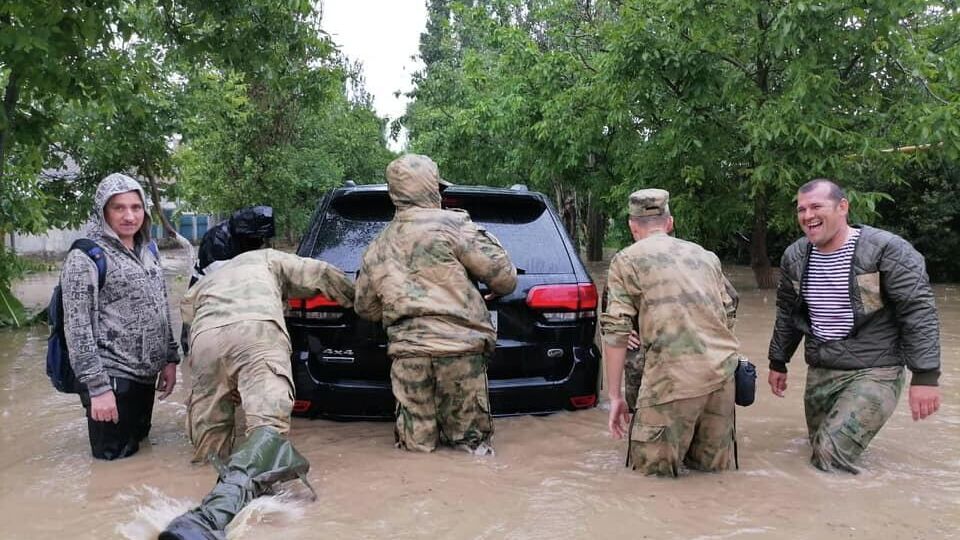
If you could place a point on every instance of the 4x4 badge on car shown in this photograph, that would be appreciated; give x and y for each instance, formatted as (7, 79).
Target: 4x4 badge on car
(337, 356)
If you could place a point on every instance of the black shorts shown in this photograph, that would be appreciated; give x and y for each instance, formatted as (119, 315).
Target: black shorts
(134, 407)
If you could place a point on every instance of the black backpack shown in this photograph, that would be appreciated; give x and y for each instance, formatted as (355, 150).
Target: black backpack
(58, 357)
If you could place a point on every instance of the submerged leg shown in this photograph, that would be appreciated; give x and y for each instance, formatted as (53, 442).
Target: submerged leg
(865, 403)
(414, 388)
(265, 459)
(463, 403)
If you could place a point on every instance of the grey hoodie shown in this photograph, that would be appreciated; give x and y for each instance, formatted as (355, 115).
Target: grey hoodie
(122, 330)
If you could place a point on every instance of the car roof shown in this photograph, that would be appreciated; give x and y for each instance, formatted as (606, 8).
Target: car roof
(453, 189)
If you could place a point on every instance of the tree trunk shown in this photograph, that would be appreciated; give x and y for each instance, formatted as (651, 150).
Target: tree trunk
(568, 214)
(759, 260)
(10, 97)
(596, 227)
(168, 230)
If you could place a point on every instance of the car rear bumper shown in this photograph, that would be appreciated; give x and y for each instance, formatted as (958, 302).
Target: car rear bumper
(366, 400)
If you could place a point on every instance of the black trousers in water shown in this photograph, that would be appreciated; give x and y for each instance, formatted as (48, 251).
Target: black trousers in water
(134, 407)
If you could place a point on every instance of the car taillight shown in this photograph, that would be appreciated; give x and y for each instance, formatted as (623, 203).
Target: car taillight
(318, 307)
(301, 406)
(564, 303)
(583, 402)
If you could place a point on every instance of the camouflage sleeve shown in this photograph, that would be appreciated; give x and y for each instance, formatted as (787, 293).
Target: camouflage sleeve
(367, 300)
(730, 301)
(485, 259)
(173, 351)
(617, 320)
(188, 308)
(78, 286)
(303, 277)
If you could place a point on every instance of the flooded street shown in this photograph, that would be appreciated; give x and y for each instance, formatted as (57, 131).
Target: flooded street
(558, 476)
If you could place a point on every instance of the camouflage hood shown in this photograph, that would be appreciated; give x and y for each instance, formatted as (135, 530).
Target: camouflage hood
(414, 182)
(112, 185)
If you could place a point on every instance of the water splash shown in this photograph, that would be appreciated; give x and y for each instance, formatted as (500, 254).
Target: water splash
(153, 511)
(274, 511)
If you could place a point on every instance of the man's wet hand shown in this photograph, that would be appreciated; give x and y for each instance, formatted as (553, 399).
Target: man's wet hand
(778, 382)
(924, 401)
(103, 408)
(167, 380)
(633, 340)
(619, 417)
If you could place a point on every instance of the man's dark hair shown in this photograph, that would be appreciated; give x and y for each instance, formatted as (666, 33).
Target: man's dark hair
(836, 192)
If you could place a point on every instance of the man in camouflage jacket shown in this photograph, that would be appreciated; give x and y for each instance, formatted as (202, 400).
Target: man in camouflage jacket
(239, 342)
(677, 293)
(417, 277)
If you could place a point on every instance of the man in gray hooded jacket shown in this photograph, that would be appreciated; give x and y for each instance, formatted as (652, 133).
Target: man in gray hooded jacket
(119, 335)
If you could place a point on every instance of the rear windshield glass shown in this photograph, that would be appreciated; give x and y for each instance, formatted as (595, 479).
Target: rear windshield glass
(522, 224)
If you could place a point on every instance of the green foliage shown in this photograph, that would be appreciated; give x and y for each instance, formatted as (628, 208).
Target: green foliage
(223, 104)
(50, 51)
(12, 312)
(730, 106)
(925, 208)
(265, 113)
(228, 158)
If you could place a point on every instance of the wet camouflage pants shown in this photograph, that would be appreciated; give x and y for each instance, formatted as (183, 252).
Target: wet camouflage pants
(441, 400)
(633, 376)
(251, 358)
(697, 432)
(845, 409)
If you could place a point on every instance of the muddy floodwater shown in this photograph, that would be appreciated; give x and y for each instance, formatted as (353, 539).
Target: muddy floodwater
(558, 476)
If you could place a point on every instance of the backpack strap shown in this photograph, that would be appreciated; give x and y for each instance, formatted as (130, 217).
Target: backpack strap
(152, 246)
(95, 252)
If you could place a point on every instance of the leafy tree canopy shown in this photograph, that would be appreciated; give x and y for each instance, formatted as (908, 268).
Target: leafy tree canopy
(729, 106)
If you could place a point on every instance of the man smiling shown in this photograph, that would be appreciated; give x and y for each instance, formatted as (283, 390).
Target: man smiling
(861, 298)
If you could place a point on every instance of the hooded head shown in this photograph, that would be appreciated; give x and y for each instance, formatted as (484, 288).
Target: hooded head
(414, 181)
(111, 186)
(253, 222)
(251, 228)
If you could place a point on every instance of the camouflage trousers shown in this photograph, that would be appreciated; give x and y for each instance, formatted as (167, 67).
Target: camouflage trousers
(247, 364)
(845, 409)
(697, 432)
(633, 376)
(441, 400)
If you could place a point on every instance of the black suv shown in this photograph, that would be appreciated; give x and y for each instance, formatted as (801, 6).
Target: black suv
(546, 359)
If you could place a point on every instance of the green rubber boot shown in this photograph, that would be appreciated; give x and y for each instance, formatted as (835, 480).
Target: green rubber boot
(264, 460)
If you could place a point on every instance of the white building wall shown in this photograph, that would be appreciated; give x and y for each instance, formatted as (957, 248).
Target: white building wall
(53, 242)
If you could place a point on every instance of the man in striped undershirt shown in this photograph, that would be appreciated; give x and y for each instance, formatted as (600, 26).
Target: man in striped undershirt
(861, 300)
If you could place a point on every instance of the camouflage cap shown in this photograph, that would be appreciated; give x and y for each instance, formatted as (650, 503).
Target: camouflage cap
(649, 202)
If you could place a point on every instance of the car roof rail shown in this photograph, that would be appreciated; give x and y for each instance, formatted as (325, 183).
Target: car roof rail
(519, 187)
(349, 183)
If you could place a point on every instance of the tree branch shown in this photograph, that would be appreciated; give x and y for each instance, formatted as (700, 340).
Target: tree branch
(922, 80)
(152, 182)
(728, 59)
(845, 73)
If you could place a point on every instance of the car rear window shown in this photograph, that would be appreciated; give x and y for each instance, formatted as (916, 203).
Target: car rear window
(522, 224)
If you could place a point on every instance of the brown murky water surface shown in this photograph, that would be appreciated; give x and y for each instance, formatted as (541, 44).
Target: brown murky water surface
(558, 476)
